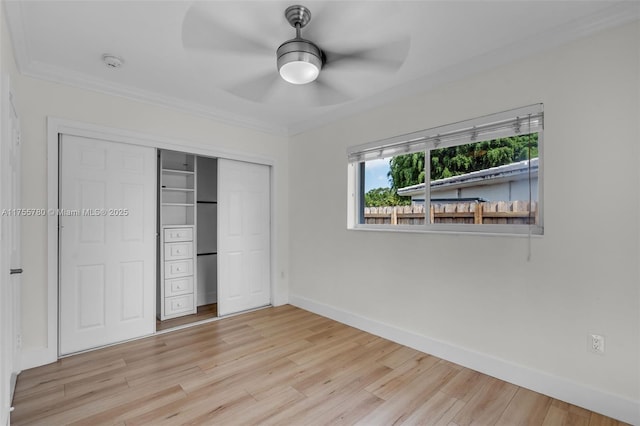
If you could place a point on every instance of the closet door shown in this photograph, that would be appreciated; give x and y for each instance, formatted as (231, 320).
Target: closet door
(244, 275)
(107, 242)
(10, 260)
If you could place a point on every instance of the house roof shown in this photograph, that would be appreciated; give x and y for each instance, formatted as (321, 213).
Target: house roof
(506, 172)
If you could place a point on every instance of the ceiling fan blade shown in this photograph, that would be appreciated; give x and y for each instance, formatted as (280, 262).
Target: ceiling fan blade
(333, 22)
(201, 30)
(257, 89)
(321, 93)
(388, 57)
(269, 87)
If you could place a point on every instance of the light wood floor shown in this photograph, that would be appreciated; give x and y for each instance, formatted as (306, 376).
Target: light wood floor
(276, 366)
(203, 312)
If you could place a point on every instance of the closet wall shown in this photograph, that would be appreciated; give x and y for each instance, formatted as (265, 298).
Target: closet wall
(43, 99)
(187, 271)
(207, 230)
(194, 227)
(177, 276)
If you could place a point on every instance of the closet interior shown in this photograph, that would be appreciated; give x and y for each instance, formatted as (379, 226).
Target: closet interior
(187, 244)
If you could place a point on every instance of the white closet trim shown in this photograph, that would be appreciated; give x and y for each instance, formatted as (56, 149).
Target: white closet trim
(40, 356)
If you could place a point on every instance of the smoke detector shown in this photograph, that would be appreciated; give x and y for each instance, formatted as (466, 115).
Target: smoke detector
(112, 61)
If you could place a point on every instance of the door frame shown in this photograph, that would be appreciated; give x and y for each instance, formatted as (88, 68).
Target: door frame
(10, 290)
(56, 126)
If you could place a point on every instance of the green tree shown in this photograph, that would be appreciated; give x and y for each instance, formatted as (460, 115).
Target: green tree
(406, 170)
(380, 197)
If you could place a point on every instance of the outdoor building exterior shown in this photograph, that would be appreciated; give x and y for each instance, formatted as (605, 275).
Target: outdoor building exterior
(509, 182)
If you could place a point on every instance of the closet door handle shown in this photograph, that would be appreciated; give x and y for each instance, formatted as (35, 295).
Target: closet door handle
(15, 271)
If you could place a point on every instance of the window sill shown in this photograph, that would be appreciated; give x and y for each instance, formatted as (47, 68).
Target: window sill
(486, 230)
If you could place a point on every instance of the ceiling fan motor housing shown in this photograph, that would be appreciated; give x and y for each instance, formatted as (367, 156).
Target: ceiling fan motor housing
(299, 49)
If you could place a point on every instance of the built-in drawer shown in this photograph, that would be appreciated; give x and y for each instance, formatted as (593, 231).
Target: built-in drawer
(178, 304)
(178, 268)
(175, 251)
(178, 286)
(178, 234)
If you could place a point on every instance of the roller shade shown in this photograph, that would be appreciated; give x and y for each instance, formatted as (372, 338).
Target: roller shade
(520, 121)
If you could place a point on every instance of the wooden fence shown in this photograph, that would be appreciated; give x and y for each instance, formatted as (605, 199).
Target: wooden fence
(498, 212)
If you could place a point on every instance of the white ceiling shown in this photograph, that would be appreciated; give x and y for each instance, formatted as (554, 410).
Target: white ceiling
(184, 63)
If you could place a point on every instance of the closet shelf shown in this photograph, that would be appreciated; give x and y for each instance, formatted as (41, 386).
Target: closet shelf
(207, 202)
(178, 189)
(177, 172)
(179, 204)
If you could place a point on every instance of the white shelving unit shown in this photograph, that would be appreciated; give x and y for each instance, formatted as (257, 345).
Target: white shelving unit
(177, 200)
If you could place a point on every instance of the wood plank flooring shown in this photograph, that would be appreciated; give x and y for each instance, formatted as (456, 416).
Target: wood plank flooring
(281, 366)
(203, 312)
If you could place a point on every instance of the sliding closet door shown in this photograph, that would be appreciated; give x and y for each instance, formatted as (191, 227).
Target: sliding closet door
(107, 242)
(244, 276)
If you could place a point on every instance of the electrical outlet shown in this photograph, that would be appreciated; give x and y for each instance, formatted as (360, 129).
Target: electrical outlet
(596, 343)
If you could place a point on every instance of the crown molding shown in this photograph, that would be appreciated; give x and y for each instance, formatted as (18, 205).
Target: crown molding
(35, 69)
(43, 71)
(15, 23)
(618, 14)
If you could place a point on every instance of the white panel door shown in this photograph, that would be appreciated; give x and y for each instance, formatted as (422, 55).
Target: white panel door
(15, 223)
(10, 263)
(244, 273)
(107, 242)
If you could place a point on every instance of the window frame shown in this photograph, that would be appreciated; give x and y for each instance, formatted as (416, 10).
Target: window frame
(356, 184)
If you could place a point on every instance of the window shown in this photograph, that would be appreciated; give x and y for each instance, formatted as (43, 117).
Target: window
(484, 175)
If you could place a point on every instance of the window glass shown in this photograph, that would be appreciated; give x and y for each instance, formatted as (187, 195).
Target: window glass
(489, 182)
(381, 204)
(484, 175)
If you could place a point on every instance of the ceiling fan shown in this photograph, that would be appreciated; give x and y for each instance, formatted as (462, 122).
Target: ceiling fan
(303, 70)
(299, 60)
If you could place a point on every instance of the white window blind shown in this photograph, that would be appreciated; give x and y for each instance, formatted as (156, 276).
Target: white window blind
(514, 122)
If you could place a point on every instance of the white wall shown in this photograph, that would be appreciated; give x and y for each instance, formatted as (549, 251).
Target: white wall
(40, 99)
(479, 294)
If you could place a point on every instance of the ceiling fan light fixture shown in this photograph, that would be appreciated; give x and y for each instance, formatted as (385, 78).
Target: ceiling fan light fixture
(299, 61)
(299, 72)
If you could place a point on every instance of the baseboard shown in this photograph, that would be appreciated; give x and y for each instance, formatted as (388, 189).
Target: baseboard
(35, 357)
(12, 386)
(605, 403)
